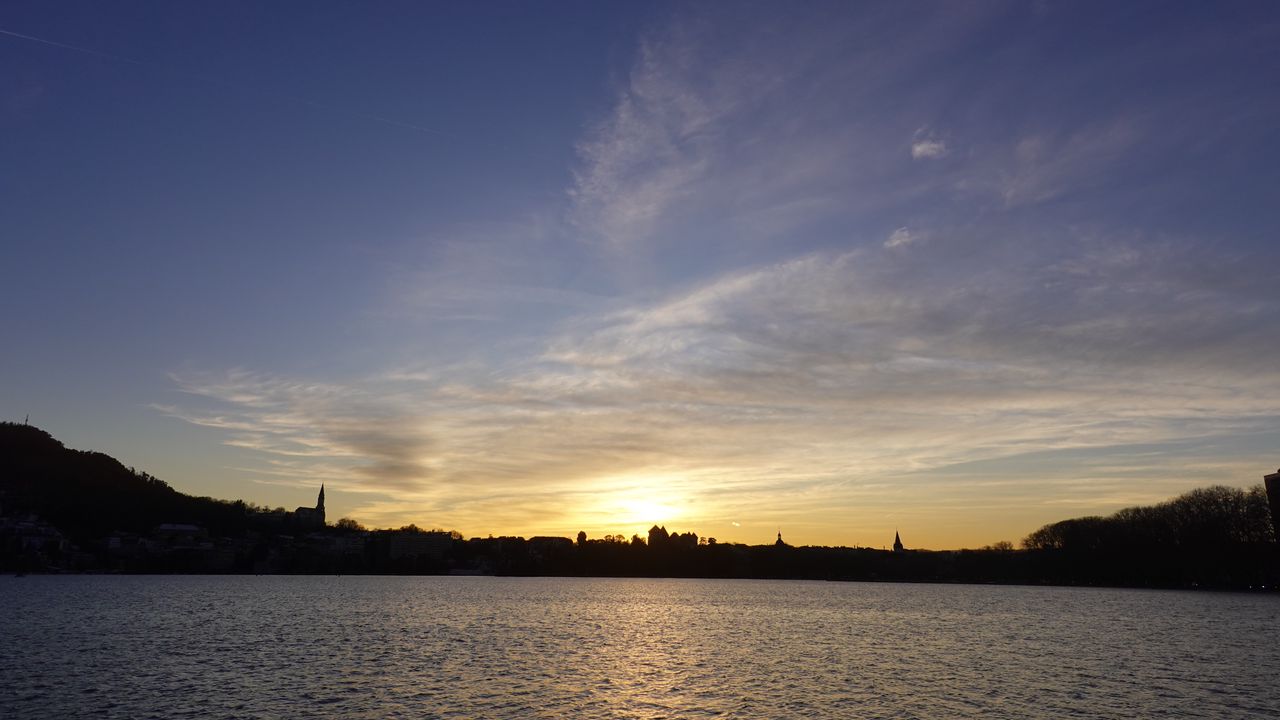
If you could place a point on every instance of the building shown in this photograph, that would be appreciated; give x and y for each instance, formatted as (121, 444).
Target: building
(543, 547)
(179, 535)
(897, 542)
(311, 517)
(412, 544)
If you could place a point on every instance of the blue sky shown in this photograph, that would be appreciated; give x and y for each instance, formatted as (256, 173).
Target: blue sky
(958, 269)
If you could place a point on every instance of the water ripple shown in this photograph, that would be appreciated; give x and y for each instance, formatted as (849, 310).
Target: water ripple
(373, 647)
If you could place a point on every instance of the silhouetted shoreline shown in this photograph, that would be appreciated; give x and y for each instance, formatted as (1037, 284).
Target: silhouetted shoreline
(63, 510)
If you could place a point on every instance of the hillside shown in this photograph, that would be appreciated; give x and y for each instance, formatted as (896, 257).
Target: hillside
(89, 494)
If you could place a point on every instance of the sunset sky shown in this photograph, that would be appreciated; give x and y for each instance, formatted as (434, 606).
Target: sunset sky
(835, 269)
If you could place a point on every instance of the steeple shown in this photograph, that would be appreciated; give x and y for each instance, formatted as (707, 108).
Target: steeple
(311, 517)
(897, 542)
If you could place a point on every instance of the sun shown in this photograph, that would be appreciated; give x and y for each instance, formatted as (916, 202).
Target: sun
(646, 512)
(636, 503)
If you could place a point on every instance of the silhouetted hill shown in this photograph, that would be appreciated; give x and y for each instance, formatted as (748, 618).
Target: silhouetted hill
(90, 494)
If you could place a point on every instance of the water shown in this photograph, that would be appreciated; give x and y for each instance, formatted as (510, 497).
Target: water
(450, 647)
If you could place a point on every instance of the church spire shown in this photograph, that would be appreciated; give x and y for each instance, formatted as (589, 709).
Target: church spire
(320, 501)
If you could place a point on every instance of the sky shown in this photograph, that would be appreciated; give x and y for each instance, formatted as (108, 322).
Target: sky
(834, 270)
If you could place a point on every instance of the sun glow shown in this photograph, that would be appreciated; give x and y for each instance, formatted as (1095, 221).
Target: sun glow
(646, 512)
(635, 504)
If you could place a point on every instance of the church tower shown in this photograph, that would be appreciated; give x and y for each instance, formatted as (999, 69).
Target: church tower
(897, 542)
(311, 517)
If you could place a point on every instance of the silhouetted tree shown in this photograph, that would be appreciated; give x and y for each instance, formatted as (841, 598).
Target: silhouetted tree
(349, 525)
(1215, 536)
(1213, 518)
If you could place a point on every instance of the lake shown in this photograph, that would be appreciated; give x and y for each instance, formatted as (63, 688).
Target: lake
(480, 647)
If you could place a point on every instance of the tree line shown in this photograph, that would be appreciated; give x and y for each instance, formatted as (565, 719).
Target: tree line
(1214, 536)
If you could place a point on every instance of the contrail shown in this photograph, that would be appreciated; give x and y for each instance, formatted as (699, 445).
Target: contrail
(65, 46)
(232, 86)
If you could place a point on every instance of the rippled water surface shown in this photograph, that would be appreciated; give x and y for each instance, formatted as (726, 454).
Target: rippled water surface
(452, 647)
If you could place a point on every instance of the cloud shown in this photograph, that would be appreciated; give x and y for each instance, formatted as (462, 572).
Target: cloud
(899, 237)
(928, 149)
(657, 141)
(857, 315)
(925, 145)
(703, 139)
(794, 387)
(782, 358)
(342, 433)
(1040, 167)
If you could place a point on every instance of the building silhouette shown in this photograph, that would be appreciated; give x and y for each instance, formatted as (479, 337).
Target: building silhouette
(897, 542)
(312, 516)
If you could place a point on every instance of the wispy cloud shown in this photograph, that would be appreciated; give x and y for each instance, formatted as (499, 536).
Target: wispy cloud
(778, 357)
(927, 147)
(899, 237)
(819, 375)
(657, 141)
(703, 136)
(313, 430)
(1043, 166)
